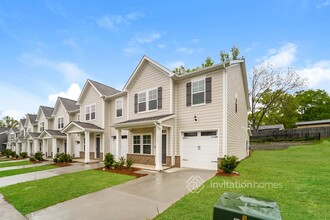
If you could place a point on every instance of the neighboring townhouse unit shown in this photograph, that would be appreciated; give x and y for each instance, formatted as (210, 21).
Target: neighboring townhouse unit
(33, 143)
(51, 124)
(3, 139)
(92, 128)
(11, 139)
(45, 121)
(20, 140)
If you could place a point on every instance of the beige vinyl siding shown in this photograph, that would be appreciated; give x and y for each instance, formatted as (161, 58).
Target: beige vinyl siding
(150, 77)
(41, 119)
(92, 97)
(237, 133)
(60, 112)
(209, 115)
(50, 124)
(33, 128)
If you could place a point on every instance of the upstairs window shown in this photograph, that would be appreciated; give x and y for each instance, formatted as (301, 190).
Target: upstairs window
(90, 112)
(60, 122)
(142, 102)
(198, 92)
(153, 97)
(42, 126)
(119, 108)
(78, 117)
(12, 137)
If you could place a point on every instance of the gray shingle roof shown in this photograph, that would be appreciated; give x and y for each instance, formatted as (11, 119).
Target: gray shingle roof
(86, 125)
(327, 121)
(55, 133)
(69, 104)
(271, 127)
(104, 89)
(155, 118)
(48, 111)
(23, 121)
(32, 118)
(34, 134)
(3, 130)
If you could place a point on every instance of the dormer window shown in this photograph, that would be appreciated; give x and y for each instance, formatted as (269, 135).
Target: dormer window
(90, 112)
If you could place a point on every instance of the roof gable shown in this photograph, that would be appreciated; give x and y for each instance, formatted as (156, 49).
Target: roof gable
(68, 104)
(144, 61)
(46, 111)
(30, 118)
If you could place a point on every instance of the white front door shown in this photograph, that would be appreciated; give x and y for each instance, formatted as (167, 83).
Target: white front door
(124, 146)
(200, 149)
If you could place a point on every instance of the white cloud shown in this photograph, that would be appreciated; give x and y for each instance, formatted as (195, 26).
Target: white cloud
(188, 51)
(282, 57)
(135, 46)
(175, 64)
(161, 46)
(72, 92)
(317, 73)
(69, 70)
(324, 4)
(111, 22)
(146, 37)
(71, 43)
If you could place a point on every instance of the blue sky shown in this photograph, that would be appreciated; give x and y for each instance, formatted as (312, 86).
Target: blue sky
(50, 48)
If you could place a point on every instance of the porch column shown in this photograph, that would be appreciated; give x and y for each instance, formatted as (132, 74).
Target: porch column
(44, 146)
(28, 147)
(35, 146)
(87, 147)
(68, 144)
(158, 153)
(171, 132)
(103, 145)
(118, 143)
(81, 143)
(54, 147)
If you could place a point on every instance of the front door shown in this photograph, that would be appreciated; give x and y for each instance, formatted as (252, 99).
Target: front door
(98, 143)
(164, 148)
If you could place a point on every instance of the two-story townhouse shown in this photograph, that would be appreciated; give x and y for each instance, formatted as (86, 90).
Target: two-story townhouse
(91, 127)
(189, 120)
(33, 143)
(20, 139)
(3, 139)
(53, 140)
(11, 139)
(45, 121)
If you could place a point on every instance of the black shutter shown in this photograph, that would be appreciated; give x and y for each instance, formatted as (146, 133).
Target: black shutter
(188, 94)
(136, 103)
(208, 85)
(160, 97)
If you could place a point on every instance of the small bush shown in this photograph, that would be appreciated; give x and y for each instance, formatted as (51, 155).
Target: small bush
(228, 164)
(32, 159)
(116, 164)
(7, 153)
(121, 162)
(16, 156)
(129, 163)
(62, 158)
(108, 160)
(13, 154)
(38, 156)
(23, 154)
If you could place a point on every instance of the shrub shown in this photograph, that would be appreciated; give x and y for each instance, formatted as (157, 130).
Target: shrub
(129, 163)
(23, 154)
(121, 162)
(116, 164)
(16, 156)
(228, 164)
(7, 153)
(32, 159)
(13, 154)
(108, 160)
(38, 156)
(62, 158)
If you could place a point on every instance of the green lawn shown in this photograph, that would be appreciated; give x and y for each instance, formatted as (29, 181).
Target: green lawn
(18, 163)
(302, 171)
(25, 170)
(35, 195)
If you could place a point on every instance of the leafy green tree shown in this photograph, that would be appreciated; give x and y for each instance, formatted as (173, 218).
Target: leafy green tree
(313, 105)
(8, 122)
(181, 70)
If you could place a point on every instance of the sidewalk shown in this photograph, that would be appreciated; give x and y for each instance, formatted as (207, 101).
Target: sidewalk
(25, 166)
(8, 212)
(76, 167)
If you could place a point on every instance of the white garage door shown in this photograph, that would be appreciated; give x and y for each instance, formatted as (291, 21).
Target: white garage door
(124, 146)
(200, 149)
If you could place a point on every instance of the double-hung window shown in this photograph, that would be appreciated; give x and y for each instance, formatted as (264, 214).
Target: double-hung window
(142, 144)
(136, 144)
(153, 98)
(42, 126)
(142, 102)
(146, 144)
(60, 122)
(119, 108)
(198, 92)
(90, 112)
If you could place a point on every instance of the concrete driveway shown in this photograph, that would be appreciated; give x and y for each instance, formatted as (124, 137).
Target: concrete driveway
(142, 198)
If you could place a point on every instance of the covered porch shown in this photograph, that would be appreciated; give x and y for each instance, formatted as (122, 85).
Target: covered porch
(91, 140)
(150, 141)
(33, 143)
(53, 142)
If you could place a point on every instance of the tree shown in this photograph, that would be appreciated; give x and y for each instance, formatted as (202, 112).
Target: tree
(283, 111)
(313, 105)
(273, 83)
(181, 70)
(8, 122)
(225, 57)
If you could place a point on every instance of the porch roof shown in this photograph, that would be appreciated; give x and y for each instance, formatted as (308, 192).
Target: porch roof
(52, 134)
(144, 121)
(33, 135)
(77, 127)
(21, 139)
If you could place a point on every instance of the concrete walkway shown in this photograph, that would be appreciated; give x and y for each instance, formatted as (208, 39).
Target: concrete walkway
(25, 166)
(76, 167)
(143, 198)
(8, 212)
(12, 161)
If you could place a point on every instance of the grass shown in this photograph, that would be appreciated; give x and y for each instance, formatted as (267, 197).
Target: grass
(31, 196)
(18, 163)
(302, 171)
(26, 170)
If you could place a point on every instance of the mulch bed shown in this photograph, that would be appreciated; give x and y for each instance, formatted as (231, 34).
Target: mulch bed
(221, 173)
(61, 164)
(125, 171)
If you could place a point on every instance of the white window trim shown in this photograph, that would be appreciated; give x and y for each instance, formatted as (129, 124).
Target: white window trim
(90, 113)
(141, 143)
(192, 93)
(43, 123)
(57, 127)
(78, 117)
(147, 101)
(122, 107)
